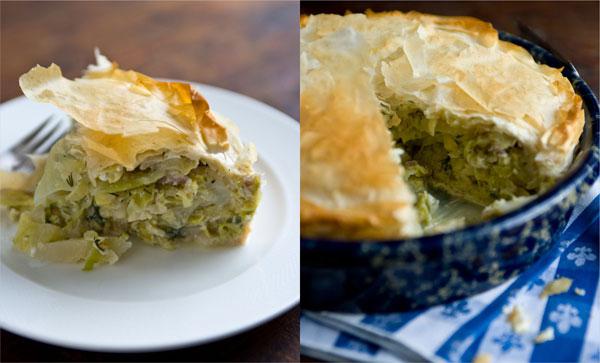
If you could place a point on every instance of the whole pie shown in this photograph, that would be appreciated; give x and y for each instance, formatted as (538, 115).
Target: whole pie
(398, 106)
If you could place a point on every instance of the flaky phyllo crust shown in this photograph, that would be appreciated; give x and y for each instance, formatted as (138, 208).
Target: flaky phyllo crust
(450, 68)
(125, 117)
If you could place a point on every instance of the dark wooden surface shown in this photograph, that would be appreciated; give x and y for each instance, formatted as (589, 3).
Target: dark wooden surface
(275, 341)
(250, 48)
(571, 28)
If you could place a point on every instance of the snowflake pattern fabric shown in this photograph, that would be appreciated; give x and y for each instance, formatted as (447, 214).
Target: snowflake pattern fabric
(508, 341)
(535, 282)
(581, 255)
(346, 341)
(455, 309)
(565, 316)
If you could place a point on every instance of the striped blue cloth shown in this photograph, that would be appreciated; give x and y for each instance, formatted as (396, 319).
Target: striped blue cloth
(465, 329)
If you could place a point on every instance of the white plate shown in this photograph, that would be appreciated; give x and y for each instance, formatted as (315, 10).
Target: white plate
(155, 299)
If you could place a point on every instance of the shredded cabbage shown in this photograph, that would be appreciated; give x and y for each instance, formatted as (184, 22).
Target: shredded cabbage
(474, 167)
(477, 164)
(72, 218)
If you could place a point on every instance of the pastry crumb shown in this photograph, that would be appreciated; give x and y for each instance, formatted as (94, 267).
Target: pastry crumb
(545, 335)
(482, 358)
(580, 292)
(517, 320)
(556, 287)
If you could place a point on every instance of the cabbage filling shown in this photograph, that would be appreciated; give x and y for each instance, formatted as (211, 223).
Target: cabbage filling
(165, 202)
(477, 164)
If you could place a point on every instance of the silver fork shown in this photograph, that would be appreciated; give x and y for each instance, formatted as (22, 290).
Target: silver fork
(38, 141)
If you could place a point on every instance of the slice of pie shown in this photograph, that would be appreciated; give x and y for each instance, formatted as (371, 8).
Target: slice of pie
(146, 160)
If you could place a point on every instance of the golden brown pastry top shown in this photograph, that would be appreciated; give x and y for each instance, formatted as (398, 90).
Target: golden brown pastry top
(125, 117)
(352, 185)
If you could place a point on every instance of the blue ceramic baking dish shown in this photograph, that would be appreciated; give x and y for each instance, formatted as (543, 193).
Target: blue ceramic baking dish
(386, 276)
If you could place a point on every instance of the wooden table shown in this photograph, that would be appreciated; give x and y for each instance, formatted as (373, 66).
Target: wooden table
(250, 48)
(569, 27)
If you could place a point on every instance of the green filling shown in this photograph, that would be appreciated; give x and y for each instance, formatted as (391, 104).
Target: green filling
(207, 206)
(477, 164)
(177, 200)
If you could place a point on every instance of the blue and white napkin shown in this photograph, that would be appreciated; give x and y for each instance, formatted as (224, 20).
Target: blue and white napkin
(462, 330)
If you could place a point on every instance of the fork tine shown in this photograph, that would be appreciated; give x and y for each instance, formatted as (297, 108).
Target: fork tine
(31, 135)
(47, 148)
(31, 148)
(37, 149)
